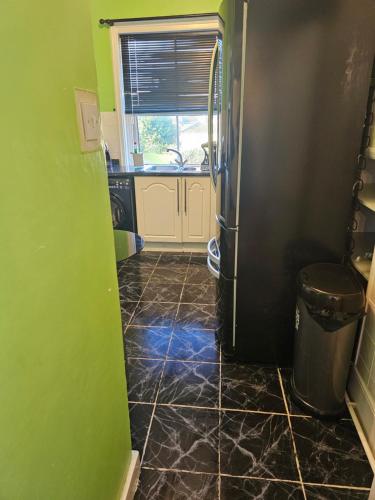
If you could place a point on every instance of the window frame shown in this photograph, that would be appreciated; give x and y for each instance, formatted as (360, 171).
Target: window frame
(125, 122)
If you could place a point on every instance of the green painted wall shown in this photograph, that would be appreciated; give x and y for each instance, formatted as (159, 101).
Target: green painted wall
(64, 428)
(130, 9)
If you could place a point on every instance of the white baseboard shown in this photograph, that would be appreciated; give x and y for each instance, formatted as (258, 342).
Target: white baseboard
(362, 411)
(372, 492)
(175, 247)
(132, 477)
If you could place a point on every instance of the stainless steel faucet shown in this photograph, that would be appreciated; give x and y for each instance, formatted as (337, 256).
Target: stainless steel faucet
(179, 160)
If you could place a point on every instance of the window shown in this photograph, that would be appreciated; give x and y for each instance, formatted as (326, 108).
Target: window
(165, 93)
(185, 133)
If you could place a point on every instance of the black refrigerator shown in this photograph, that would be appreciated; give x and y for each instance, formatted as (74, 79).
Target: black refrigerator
(289, 88)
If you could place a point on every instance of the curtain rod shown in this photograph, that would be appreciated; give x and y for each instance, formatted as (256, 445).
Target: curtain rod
(111, 22)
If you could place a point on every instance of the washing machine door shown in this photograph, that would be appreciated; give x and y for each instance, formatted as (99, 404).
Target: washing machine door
(118, 212)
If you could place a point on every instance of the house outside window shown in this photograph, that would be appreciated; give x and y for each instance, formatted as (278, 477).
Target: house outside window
(164, 85)
(186, 133)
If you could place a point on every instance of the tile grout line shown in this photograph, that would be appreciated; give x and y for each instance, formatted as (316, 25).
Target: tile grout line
(152, 415)
(184, 303)
(241, 410)
(179, 303)
(130, 401)
(164, 283)
(212, 408)
(161, 378)
(292, 435)
(270, 479)
(220, 415)
(177, 311)
(172, 360)
(154, 406)
(339, 486)
(184, 471)
(171, 302)
(143, 291)
(255, 478)
(186, 329)
(216, 408)
(184, 282)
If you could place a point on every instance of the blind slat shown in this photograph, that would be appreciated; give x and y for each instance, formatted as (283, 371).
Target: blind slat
(166, 72)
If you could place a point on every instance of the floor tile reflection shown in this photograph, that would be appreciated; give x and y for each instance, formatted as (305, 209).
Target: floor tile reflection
(147, 341)
(214, 430)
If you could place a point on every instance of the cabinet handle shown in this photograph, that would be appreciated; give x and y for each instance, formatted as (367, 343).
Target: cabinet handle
(185, 198)
(178, 197)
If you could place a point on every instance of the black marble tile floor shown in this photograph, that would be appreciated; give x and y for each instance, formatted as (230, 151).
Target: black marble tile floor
(206, 429)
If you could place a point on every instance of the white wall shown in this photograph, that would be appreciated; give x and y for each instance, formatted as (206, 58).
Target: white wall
(362, 383)
(111, 134)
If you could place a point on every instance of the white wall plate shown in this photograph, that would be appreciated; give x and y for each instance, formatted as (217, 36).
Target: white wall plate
(88, 119)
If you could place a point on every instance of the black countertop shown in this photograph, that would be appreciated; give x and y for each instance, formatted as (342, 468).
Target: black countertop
(117, 171)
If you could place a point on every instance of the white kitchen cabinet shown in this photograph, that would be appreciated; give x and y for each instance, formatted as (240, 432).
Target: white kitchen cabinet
(196, 209)
(173, 209)
(159, 215)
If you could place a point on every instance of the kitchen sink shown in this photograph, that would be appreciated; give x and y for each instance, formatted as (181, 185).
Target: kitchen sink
(162, 168)
(191, 168)
(172, 168)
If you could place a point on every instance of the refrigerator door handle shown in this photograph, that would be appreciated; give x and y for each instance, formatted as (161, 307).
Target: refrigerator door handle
(213, 251)
(211, 91)
(215, 272)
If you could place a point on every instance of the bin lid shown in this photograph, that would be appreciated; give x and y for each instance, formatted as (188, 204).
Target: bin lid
(331, 287)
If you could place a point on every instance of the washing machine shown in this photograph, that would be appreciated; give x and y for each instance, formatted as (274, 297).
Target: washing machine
(122, 195)
(124, 216)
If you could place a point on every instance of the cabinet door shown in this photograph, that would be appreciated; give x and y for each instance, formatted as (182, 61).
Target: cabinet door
(159, 208)
(196, 209)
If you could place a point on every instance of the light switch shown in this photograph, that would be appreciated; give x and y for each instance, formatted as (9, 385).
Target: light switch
(91, 122)
(88, 118)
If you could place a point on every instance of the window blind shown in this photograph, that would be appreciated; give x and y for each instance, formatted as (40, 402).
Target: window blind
(166, 72)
